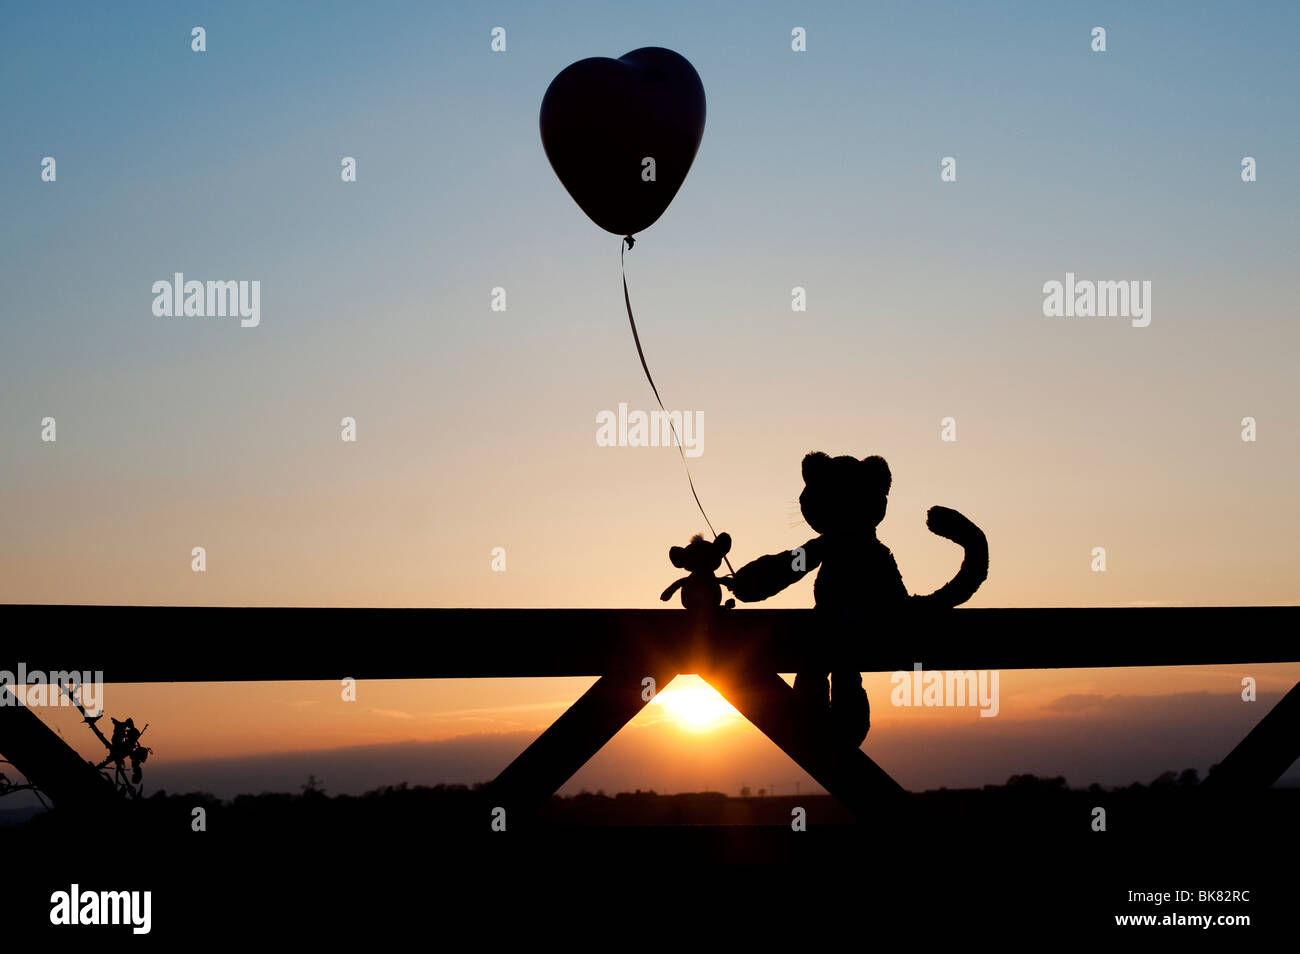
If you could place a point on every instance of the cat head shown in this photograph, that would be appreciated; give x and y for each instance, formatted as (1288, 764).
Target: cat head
(844, 494)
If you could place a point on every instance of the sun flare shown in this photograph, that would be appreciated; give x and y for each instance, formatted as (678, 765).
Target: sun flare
(695, 704)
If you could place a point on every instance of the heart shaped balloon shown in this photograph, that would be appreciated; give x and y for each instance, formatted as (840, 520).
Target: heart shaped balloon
(622, 134)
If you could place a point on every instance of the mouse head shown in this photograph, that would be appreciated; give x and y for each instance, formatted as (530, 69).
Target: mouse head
(701, 556)
(844, 494)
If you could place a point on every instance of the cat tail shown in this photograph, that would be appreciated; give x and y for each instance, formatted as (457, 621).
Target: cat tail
(974, 566)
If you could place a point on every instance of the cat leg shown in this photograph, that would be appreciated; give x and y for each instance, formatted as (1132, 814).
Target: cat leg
(850, 708)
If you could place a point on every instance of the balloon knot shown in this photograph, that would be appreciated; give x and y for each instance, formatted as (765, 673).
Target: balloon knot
(630, 241)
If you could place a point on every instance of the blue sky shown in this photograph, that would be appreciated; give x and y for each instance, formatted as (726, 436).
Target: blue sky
(817, 169)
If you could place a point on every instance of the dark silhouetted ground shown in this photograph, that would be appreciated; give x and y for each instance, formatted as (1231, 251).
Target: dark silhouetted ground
(1007, 856)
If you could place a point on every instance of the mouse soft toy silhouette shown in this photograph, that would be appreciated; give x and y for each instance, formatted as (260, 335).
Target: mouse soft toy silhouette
(701, 590)
(858, 585)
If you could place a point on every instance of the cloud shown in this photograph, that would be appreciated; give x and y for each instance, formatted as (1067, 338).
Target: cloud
(1076, 701)
(391, 713)
(1113, 740)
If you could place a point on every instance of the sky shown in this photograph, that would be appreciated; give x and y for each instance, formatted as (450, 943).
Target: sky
(476, 428)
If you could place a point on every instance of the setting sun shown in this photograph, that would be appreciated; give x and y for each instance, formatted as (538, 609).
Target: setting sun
(695, 704)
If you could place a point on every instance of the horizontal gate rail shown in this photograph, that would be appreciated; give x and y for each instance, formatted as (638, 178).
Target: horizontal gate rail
(219, 644)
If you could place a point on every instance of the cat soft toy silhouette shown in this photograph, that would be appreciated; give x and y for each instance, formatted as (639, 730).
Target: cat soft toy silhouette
(858, 583)
(701, 590)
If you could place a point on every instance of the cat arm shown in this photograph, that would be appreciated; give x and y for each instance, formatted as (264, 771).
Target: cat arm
(769, 575)
(974, 565)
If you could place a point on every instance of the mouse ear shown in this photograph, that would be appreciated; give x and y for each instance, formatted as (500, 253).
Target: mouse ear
(722, 544)
(677, 555)
(814, 464)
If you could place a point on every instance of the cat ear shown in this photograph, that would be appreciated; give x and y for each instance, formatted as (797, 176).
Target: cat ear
(678, 556)
(813, 465)
(722, 544)
(876, 474)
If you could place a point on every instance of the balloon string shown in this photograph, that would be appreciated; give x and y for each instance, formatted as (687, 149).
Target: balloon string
(623, 246)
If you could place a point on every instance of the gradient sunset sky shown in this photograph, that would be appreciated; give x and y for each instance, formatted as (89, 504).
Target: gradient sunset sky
(476, 429)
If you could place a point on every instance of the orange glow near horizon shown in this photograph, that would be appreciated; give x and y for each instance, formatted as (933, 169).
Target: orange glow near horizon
(689, 738)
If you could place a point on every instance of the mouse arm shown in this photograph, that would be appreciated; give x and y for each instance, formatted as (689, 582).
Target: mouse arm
(668, 593)
(769, 575)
